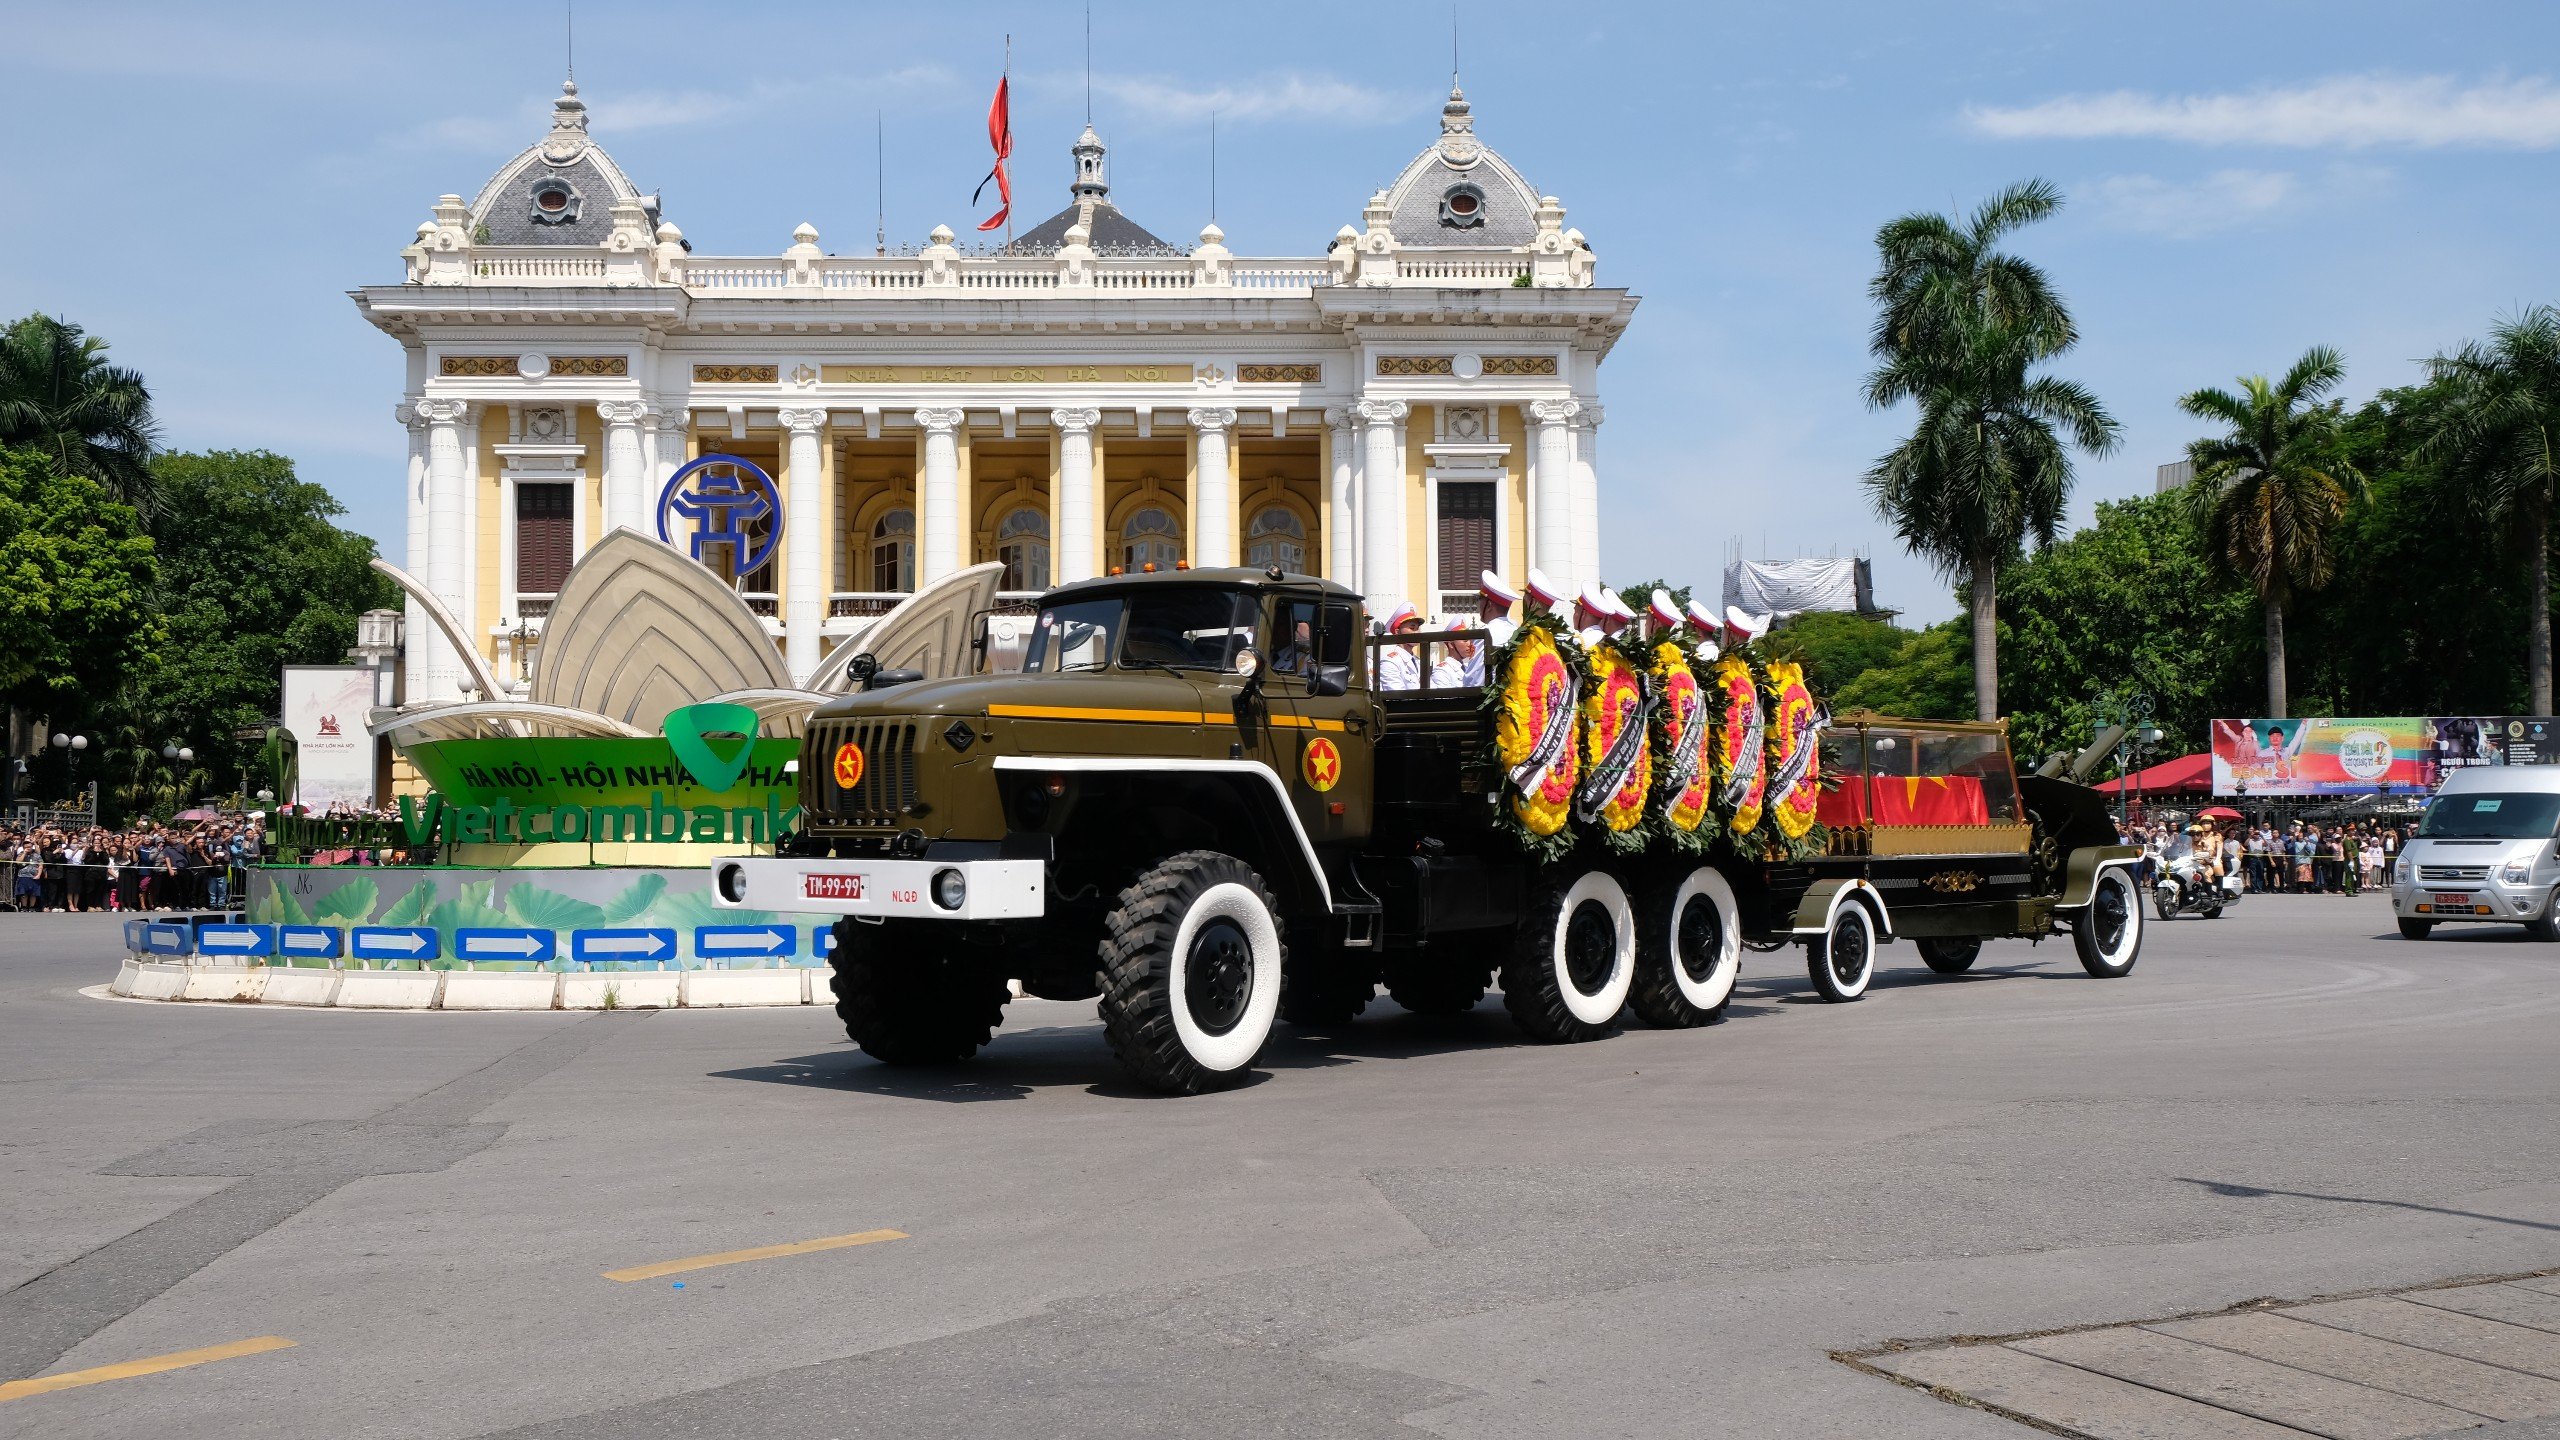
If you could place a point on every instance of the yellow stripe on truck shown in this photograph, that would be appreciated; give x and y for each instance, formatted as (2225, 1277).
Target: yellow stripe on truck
(1154, 717)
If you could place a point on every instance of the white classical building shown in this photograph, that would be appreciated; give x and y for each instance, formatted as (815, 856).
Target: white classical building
(1417, 403)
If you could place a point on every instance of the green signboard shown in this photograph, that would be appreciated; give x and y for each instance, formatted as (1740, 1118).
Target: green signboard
(683, 786)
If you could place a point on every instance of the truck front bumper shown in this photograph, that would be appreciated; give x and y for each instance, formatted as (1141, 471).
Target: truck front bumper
(881, 889)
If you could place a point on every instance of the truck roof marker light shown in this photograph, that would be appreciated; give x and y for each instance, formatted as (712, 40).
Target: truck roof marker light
(1181, 564)
(1119, 569)
(1149, 567)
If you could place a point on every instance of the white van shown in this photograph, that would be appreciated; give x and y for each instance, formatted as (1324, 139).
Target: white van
(2485, 852)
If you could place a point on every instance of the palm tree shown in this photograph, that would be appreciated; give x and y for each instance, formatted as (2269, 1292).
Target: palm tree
(2497, 438)
(2271, 491)
(1960, 326)
(59, 396)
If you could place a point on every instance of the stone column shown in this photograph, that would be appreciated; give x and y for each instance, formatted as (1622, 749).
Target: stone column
(1341, 521)
(939, 520)
(1586, 492)
(672, 420)
(625, 473)
(417, 630)
(1213, 530)
(1382, 577)
(1077, 501)
(1551, 488)
(804, 578)
(447, 517)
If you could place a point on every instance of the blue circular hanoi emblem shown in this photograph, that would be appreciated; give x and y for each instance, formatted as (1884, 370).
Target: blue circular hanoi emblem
(722, 501)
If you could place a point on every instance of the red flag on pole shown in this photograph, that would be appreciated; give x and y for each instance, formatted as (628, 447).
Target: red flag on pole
(1000, 136)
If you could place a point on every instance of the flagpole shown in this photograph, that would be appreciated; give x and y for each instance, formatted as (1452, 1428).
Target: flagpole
(1008, 135)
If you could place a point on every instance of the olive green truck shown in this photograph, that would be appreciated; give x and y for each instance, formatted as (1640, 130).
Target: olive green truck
(1192, 804)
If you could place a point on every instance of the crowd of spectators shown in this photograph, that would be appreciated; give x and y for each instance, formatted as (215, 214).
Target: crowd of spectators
(146, 866)
(2300, 857)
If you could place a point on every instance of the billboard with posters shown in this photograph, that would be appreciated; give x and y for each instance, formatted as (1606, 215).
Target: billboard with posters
(325, 708)
(2324, 756)
(2359, 755)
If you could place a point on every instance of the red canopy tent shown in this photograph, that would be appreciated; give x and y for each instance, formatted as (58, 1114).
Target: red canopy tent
(2186, 775)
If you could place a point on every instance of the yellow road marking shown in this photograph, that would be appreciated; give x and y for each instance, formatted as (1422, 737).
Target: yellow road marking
(761, 1252)
(46, 1384)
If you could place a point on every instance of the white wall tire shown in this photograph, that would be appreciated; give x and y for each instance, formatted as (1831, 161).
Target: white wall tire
(1191, 964)
(1573, 959)
(1689, 951)
(1842, 960)
(2108, 930)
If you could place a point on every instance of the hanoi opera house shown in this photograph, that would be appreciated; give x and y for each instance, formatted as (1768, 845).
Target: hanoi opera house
(1415, 403)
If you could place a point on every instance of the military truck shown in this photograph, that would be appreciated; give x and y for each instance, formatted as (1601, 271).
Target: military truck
(1193, 803)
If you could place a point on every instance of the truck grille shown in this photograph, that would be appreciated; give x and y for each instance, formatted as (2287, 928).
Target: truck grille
(2440, 874)
(888, 782)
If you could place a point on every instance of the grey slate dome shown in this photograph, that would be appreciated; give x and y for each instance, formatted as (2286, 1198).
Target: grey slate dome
(1107, 230)
(560, 191)
(1459, 192)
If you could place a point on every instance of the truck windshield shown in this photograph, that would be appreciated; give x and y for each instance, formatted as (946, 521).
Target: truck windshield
(1161, 627)
(2490, 817)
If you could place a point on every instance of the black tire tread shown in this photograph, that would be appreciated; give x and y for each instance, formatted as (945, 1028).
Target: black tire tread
(1426, 985)
(1817, 959)
(920, 1001)
(1948, 955)
(1135, 975)
(1530, 988)
(1655, 996)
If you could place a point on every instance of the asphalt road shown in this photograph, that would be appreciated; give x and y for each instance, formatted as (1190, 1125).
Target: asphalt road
(1403, 1228)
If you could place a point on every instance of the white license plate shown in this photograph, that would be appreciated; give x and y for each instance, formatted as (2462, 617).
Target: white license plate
(831, 887)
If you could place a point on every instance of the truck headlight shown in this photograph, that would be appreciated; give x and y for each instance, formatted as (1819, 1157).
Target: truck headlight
(950, 889)
(732, 880)
(2518, 872)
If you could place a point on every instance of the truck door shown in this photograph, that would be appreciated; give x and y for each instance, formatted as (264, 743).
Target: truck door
(1320, 744)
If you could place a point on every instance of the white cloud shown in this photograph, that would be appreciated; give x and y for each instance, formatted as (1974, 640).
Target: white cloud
(1285, 96)
(2225, 199)
(2345, 111)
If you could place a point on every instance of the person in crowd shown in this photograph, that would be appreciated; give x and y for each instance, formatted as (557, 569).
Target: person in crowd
(2351, 859)
(1400, 666)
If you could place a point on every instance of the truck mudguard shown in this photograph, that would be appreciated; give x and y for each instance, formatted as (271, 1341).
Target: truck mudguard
(1256, 786)
(2080, 874)
(1813, 912)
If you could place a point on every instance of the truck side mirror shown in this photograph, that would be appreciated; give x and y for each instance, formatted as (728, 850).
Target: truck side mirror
(1327, 682)
(978, 641)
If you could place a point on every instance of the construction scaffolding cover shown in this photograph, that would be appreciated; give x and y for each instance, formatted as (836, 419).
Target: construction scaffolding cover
(1794, 587)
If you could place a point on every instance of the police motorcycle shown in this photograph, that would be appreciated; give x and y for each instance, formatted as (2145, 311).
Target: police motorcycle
(2184, 888)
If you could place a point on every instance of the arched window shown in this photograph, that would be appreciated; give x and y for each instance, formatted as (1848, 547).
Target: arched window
(1150, 537)
(1276, 537)
(893, 552)
(1022, 543)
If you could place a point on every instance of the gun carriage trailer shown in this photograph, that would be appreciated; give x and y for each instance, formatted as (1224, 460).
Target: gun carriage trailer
(1194, 804)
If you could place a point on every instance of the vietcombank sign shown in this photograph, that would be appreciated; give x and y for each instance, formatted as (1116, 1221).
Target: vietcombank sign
(694, 783)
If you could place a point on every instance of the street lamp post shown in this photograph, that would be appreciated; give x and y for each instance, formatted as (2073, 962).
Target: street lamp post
(72, 746)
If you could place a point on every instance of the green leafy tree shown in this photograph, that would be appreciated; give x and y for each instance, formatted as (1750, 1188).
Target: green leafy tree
(76, 581)
(1961, 327)
(257, 578)
(2274, 488)
(1930, 677)
(1835, 648)
(60, 397)
(2497, 439)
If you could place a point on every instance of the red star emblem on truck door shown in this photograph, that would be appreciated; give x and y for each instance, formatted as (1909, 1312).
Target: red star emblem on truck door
(1320, 764)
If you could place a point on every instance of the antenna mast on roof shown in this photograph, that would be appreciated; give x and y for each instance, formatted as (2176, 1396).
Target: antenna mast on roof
(1213, 167)
(569, 9)
(1453, 45)
(879, 182)
(1088, 65)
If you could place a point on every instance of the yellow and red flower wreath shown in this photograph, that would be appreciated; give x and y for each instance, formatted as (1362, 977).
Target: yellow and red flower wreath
(1538, 694)
(1614, 702)
(1791, 730)
(1685, 721)
(1741, 743)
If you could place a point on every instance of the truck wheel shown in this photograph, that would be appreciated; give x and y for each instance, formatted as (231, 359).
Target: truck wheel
(1843, 958)
(912, 995)
(2108, 930)
(1688, 951)
(1570, 967)
(1428, 986)
(1191, 973)
(1949, 954)
(2417, 929)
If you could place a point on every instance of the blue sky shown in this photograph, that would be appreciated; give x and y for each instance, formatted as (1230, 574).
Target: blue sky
(201, 184)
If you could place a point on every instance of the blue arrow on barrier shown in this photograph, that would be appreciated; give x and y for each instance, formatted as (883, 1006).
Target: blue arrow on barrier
(394, 942)
(653, 943)
(822, 941)
(310, 942)
(504, 943)
(235, 940)
(745, 942)
(134, 931)
(161, 938)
